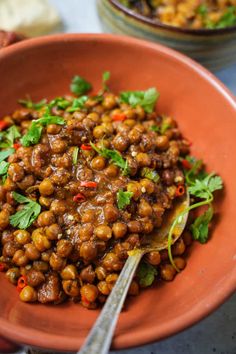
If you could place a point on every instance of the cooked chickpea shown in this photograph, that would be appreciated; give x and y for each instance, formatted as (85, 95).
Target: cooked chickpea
(111, 213)
(64, 248)
(148, 185)
(46, 187)
(86, 232)
(69, 272)
(41, 266)
(4, 219)
(168, 272)
(119, 230)
(53, 129)
(28, 294)
(40, 241)
(111, 171)
(88, 216)
(58, 146)
(13, 274)
(20, 258)
(45, 201)
(31, 252)
(144, 208)
(135, 188)
(71, 287)
(187, 237)
(46, 218)
(89, 292)
(34, 277)
(99, 131)
(134, 136)
(87, 274)
(88, 250)
(109, 101)
(98, 163)
(57, 262)
(22, 236)
(134, 226)
(180, 262)
(134, 288)
(121, 142)
(178, 248)
(103, 287)
(112, 262)
(162, 142)
(16, 172)
(143, 159)
(53, 231)
(103, 232)
(111, 280)
(154, 258)
(101, 273)
(58, 207)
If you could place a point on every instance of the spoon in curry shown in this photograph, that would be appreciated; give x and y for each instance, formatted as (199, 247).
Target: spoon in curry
(100, 336)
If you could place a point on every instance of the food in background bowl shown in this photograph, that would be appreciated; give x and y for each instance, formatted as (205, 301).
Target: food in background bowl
(187, 14)
(82, 179)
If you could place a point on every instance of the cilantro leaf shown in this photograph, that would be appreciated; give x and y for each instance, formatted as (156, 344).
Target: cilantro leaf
(228, 19)
(202, 10)
(26, 216)
(75, 155)
(78, 103)
(146, 274)
(205, 187)
(146, 99)
(106, 77)
(59, 102)
(215, 183)
(114, 155)
(150, 174)
(3, 170)
(7, 137)
(6, 153)
(79, 86)
(123, 198)
(31, 105)
(34, 133)
(160, 129)
(196, 171)
(200, 227)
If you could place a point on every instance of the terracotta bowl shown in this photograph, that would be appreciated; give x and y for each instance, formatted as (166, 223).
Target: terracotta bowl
(214, 49)
(206, 113)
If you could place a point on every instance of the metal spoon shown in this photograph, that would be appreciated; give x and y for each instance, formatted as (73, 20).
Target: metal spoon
(100, 336)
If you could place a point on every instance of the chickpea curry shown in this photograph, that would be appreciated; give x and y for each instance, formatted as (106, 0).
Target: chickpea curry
(83, 177)
(194, 14)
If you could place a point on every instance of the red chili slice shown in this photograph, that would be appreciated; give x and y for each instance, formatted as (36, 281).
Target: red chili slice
(2, 267)
(89, 184)
(79, 197)
(3, 125)
(180, 190)
(17, 146)
(119, 117)
(186, 164)
(22, 282)
(86, 147)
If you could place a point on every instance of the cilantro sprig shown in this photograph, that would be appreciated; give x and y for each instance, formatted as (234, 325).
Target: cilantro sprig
(34, 133)
(26, 216)
(123, 198)
(146, 274)
(28, 103)
(201, 186)
(113, 155)
(78, 103)
(146, 99)
(79, 86)
(160, 129)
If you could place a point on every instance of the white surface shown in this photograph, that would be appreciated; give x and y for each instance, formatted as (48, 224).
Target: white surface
(217, 333)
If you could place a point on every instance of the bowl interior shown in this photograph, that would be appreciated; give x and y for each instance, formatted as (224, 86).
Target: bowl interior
(205, 112)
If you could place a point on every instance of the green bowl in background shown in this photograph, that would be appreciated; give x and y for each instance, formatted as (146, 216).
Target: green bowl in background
(213, 48)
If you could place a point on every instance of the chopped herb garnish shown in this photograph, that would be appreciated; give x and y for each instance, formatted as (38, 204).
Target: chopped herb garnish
(26, 216)
(6, 153)
(34, 133)
(146, 274)
(146, 99)
(202, 10)
(200, 185)
(3, 170)
(80, 86)
(78, 103)
(105, 77)
(150, 174)
(123, 198)
(28, 103)
(160, 129)
(200, 227)
(7, 137)
(60, 102)
(75, 155)
(228, 19)
(114, 155)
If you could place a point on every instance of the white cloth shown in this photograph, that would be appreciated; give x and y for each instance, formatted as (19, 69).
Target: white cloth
(29, 17)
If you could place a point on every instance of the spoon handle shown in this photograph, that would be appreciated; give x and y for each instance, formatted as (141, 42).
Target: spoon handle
(100, 336)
